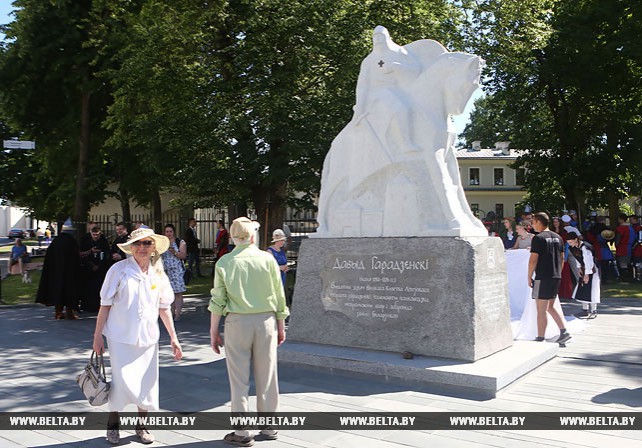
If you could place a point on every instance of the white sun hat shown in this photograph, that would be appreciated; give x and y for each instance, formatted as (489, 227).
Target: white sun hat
(162, 242)
(278, 235)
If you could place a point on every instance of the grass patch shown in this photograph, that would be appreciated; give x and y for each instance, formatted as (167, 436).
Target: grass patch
(14, 292)
(201, 285)
(622, 290)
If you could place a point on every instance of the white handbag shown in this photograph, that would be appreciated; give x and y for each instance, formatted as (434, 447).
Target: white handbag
(93, 381)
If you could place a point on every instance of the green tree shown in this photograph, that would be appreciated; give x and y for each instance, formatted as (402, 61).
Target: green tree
(564, 85)
(224, 102)
(151, 50)
(286, 87)
(55, 99)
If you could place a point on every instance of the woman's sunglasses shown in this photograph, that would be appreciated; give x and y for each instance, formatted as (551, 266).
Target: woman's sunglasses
(144, 243)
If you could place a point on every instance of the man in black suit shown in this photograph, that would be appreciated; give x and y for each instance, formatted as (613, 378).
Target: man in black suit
(193, 251)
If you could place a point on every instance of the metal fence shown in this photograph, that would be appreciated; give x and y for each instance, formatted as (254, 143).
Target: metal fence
(206, 224)
(300, 224)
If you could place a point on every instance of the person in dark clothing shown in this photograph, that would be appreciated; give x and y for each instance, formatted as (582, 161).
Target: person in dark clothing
(547, 257)
(193, 251)
(222, 242)
(60, 281)
(94, 262)
(508, 232)
(121, 237)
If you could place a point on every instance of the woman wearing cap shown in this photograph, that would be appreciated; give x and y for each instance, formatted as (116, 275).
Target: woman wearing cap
(135, 293)
(567, 222)
(276, 249)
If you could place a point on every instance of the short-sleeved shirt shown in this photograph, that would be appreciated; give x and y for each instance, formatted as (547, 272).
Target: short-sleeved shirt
(18, 252)
(548, 246)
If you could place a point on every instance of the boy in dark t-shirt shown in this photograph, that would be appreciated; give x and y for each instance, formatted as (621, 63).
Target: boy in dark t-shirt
(547, 252)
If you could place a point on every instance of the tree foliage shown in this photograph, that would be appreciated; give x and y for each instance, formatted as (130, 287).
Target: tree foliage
(53, 97)
(564, 84)
(241, 100)
(238, 101)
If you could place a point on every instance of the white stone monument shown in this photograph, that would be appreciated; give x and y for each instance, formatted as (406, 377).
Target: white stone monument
(399, 262)
(392, 170)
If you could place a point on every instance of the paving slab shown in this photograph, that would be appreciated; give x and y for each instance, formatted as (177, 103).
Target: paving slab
(595, 373)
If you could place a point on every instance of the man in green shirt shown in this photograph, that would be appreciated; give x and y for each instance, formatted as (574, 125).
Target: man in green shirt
(248, 291)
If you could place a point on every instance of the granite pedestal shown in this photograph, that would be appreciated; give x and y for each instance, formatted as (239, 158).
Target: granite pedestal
(483, 378)
(443, 297)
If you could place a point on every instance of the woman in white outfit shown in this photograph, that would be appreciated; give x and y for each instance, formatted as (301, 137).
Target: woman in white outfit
(135, 293)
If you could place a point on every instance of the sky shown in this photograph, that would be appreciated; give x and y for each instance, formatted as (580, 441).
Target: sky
(459, 121)
(5, 9)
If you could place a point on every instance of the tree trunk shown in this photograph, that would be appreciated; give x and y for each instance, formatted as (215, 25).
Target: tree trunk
(158, 212)
(270, 209)
(613, 196)
(81, 206)
(580, 203)
(569, 196)
(123, 196)
(614, 207)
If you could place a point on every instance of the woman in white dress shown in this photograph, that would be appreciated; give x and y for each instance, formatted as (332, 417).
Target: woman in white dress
(135, 293)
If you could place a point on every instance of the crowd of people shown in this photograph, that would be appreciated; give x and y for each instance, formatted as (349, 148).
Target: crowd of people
(140, 277)
(592, 252)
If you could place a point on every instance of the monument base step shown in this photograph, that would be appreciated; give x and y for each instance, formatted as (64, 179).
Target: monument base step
(484, 377)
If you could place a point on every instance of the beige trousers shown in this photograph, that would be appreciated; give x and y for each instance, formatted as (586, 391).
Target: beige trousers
(252, 338)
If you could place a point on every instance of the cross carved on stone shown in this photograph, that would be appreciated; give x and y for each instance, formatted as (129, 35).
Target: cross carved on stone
(380, 63)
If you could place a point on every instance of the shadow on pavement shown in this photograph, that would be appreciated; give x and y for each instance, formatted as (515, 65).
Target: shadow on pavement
(627, 397)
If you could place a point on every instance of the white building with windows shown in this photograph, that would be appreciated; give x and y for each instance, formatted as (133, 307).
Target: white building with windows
(488, 181)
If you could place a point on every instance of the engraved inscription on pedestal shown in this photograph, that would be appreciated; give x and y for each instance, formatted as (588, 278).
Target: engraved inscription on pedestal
(436, 296)
(374, 289)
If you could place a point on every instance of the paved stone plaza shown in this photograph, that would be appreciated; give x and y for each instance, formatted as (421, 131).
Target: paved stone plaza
(600, 370)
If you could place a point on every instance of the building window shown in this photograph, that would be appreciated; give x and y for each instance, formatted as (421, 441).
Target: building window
(499, 211)
(499, 176)
(473, 176)
(520, 177)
